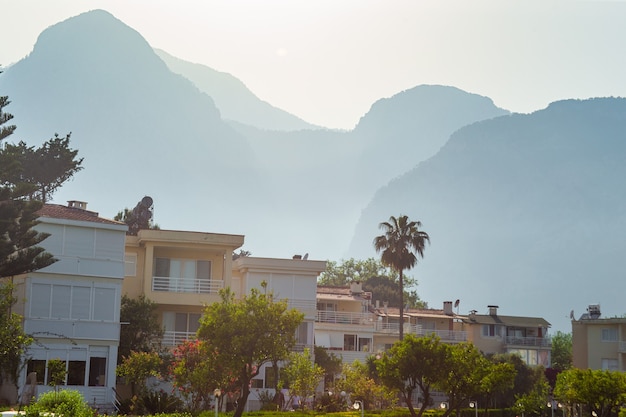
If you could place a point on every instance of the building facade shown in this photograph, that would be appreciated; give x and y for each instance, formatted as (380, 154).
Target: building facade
(525, 336)
(71, 308)
(597, 342)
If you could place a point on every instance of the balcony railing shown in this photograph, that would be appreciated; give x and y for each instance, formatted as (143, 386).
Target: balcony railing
(172, 338)
(444, 335)
(187, 285)
(345, 318)
(528, 341)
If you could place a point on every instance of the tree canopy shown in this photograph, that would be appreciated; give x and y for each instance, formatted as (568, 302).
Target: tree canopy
(561, 355)
(248, 333)
(140, 331)
(414, 363)
(377, 278)
(13, 341)
(28, 177)
(400, 245)
(601, 391)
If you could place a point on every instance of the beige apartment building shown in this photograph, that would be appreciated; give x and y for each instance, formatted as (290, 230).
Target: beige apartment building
(599, 343)
(354, 327)
(525, 336)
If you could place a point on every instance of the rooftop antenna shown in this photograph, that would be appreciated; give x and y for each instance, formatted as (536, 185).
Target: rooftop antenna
(456, 305)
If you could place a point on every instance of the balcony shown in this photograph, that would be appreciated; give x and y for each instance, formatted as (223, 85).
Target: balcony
(173, 338)
(187, 285)
(444, 335)
(528, 341)
(336, 317)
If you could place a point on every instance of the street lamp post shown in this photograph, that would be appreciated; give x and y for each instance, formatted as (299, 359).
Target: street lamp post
(474, 405)
(217, 393)
(551, 405)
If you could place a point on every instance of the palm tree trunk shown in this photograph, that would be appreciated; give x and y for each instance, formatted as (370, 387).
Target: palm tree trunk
(401, 306)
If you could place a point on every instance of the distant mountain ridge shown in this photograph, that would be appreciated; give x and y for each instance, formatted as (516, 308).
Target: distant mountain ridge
(520, 209)
(235, 101)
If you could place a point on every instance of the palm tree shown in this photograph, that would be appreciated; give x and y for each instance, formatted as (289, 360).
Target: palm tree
(399, 245)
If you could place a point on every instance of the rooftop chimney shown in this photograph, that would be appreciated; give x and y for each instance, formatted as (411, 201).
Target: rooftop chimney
(356, 287)
(447, 308)
(77, 204)
(493, 310)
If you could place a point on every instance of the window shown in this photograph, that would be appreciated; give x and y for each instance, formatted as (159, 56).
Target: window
(326, 307)
(103, 302)
(349, 342)
(609, 364)
(364, 344)
(181, 322)
(609, 334)
(490, 330)
(270, 378)
(40, 300)
(302, 334)
(185, 275)
(76, 373)
(39, 367)
(60, 301)
(97, 371)
(130, 265)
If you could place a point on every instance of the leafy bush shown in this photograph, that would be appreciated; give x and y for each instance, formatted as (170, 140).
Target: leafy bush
(64, 402)
(155, 402)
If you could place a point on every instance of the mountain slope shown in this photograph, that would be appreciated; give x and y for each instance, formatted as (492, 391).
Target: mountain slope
(521, 209)
(141, 128)
(234, 100)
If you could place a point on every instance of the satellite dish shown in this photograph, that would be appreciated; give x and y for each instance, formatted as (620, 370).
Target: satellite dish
(456, 303)
(571, 315)
(147, 201)
(306, 256)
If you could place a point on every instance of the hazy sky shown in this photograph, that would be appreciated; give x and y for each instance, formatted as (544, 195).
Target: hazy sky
(328, 61)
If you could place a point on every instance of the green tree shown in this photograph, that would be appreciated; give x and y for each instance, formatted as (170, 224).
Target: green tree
(45, 168)
(329, 362)
(141, 331)
(137, 367)
(377, 278)
(533, 402)
(13, 341)
(399, 245)
(340, 274)
(600, 391)
(248, 333)
(412, 363)
(469, 374)
(526, 380)
(27, 177)
(302, 375)
(561, 355)
(196, 371)
(359, 384)
(56, 373)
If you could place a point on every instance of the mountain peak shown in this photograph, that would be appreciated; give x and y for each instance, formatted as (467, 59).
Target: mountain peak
(91, 38)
